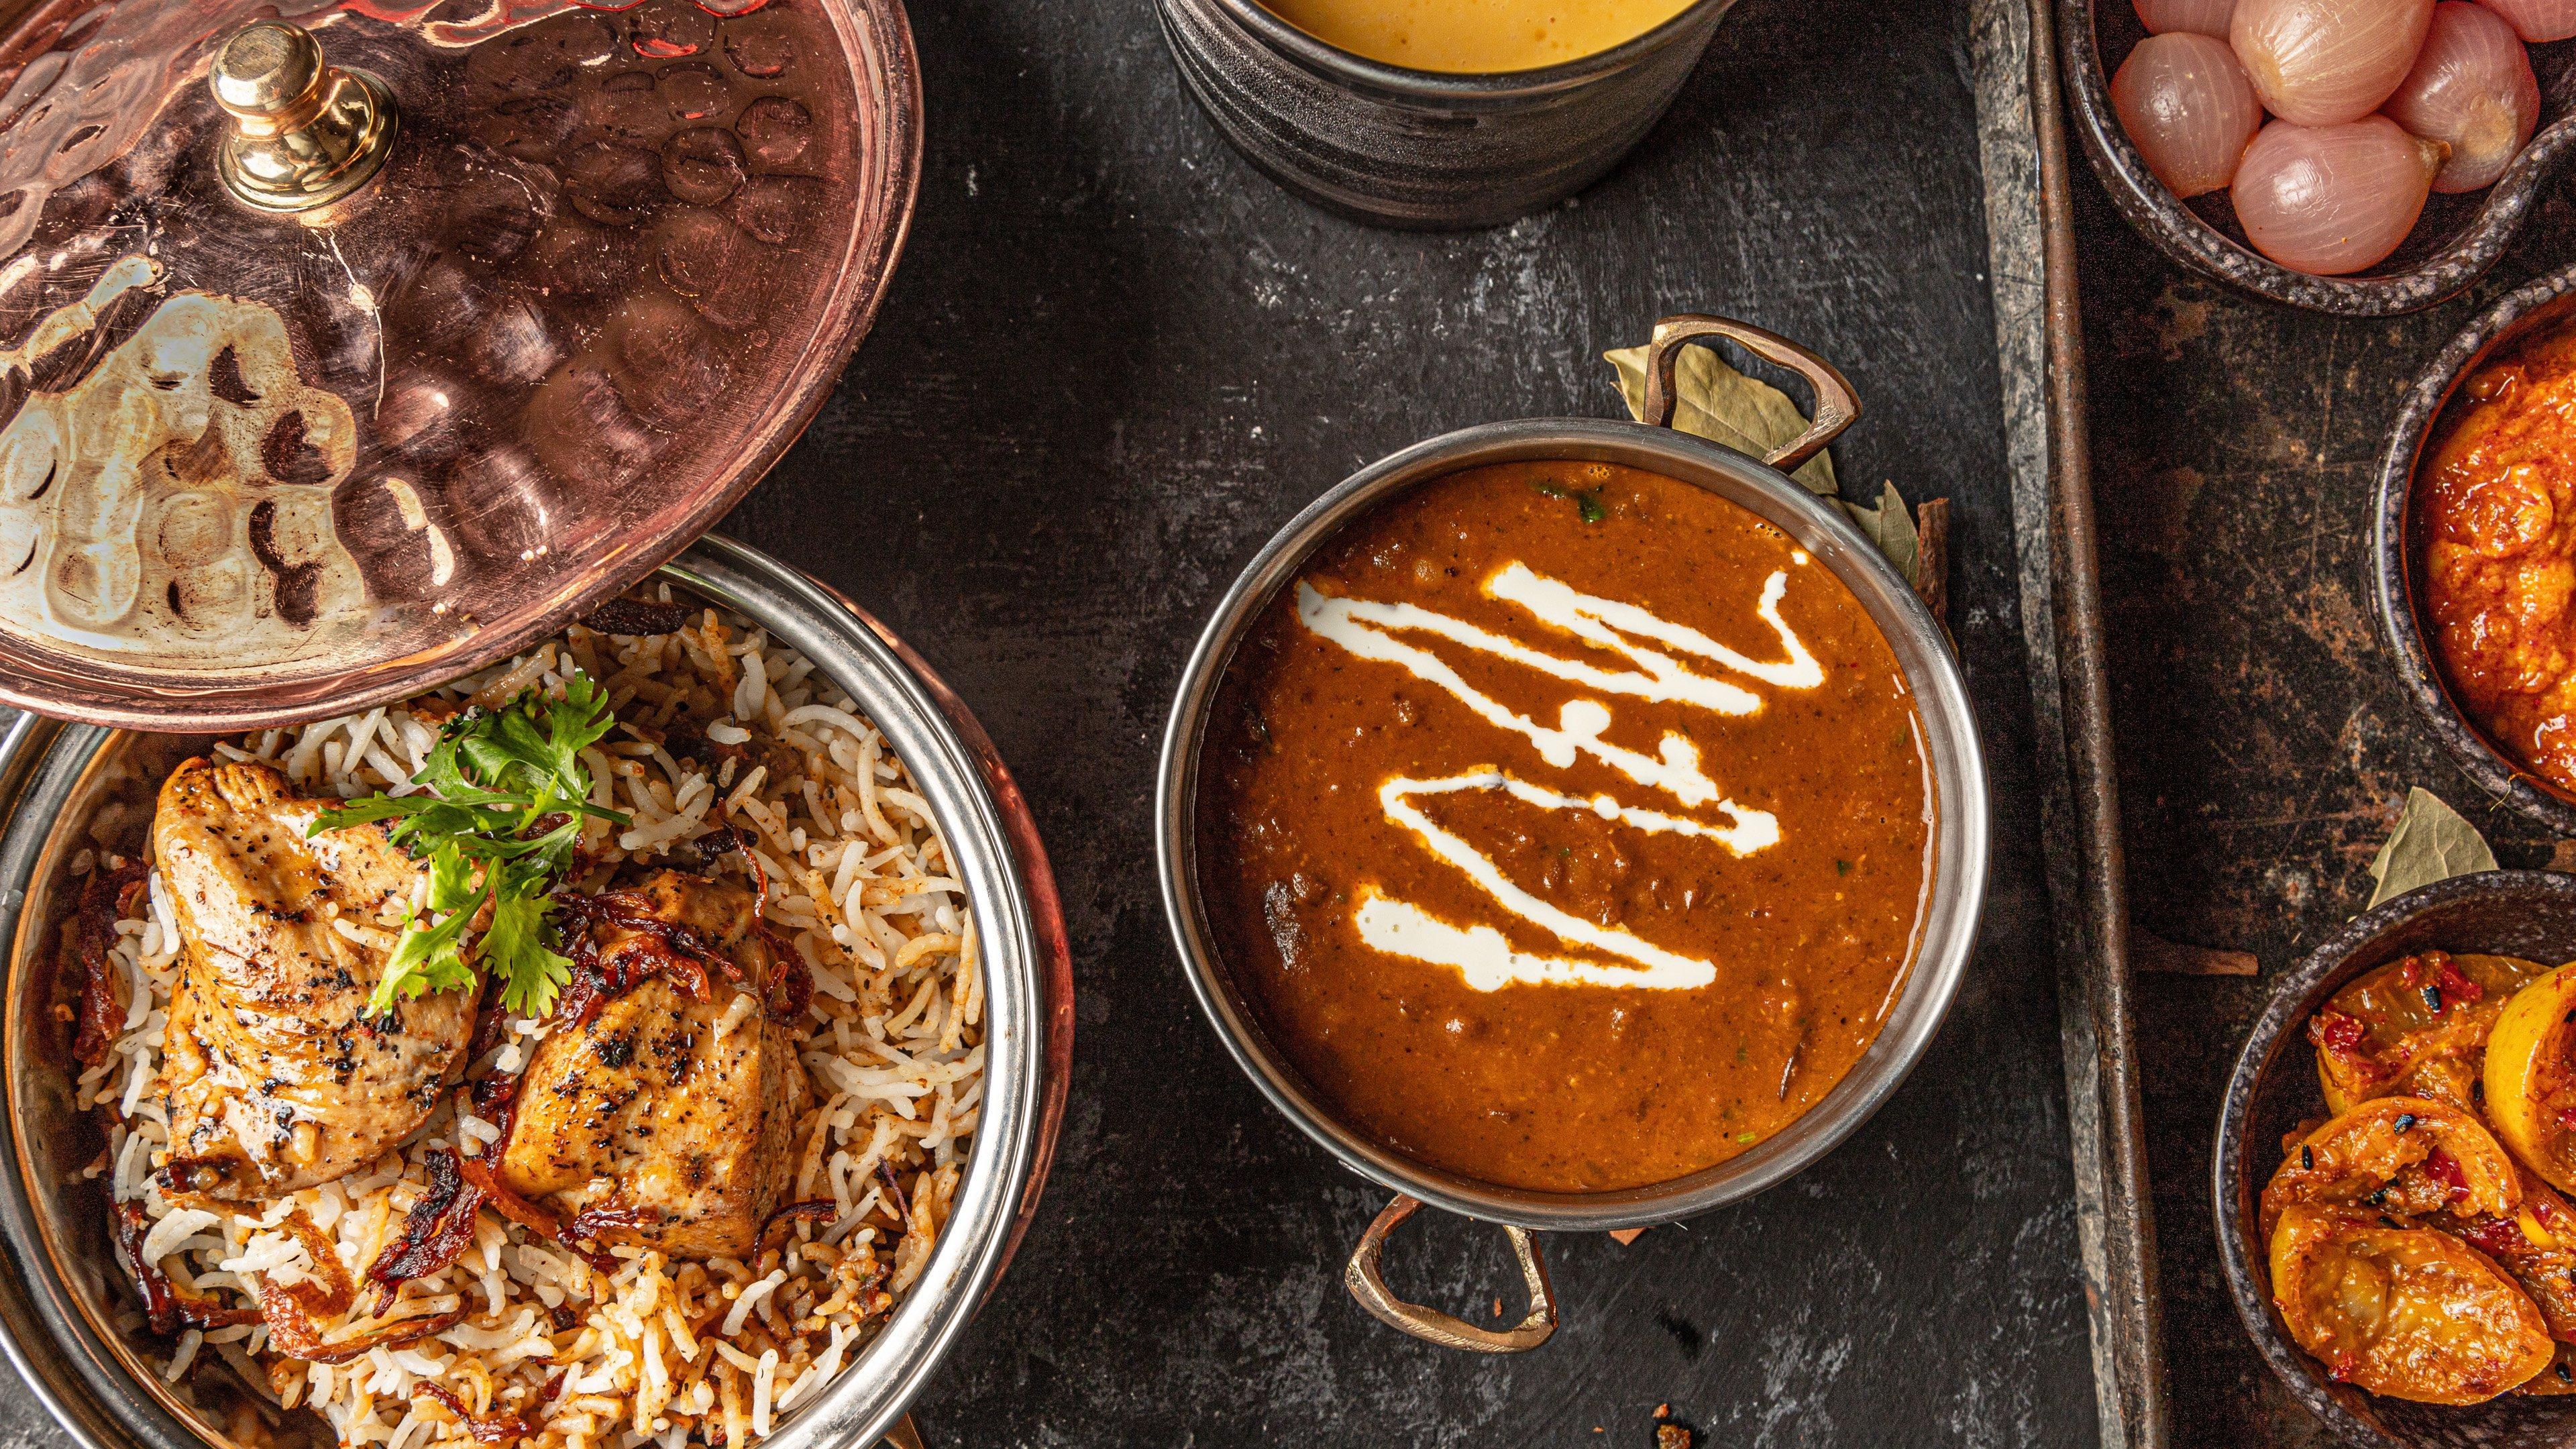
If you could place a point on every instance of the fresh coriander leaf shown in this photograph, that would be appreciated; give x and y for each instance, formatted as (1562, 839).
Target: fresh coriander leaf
(1587, 506)
(489, 782)
(514, 951)
(425, 959)
(451, 879)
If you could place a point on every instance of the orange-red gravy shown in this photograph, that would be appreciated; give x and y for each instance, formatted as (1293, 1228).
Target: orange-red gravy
(2497, 506)
(1565, 1087)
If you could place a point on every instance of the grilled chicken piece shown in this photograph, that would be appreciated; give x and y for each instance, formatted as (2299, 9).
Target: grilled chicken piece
(276, 1082)
(668, 1120)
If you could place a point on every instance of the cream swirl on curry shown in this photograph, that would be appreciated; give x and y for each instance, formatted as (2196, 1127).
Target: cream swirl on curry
(1565, 826)
(1482, 955)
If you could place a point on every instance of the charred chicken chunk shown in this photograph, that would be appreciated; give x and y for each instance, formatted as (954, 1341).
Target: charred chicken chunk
(277, 1079)
(660, 1110)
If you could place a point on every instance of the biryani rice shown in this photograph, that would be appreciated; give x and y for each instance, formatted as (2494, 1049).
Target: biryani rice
(717, 1352)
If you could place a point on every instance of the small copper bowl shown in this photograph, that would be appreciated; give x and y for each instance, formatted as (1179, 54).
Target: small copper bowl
(2526, 913)
(2458, 238)
(1951, 752)
(1419, 148)
(2396, 545)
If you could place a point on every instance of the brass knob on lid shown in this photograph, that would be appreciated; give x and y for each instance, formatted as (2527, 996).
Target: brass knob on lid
(305, 132)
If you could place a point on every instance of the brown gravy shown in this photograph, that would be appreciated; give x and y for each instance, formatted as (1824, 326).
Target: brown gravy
(1464, 865)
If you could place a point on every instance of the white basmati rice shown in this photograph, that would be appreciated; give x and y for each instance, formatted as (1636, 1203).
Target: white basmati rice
(658, 1352)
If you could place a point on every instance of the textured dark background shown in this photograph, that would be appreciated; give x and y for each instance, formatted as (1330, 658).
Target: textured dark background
(1113, 361)
(2264, 745)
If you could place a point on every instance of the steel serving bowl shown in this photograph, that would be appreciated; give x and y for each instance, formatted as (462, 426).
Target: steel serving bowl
(1419, 148)
(2396, 546)
(2526, 913)
(64, 786)
(2458, 238)
(1950, 746)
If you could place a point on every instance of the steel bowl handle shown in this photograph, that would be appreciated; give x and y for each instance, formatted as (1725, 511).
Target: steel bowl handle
(1837, 406)
(1430, 1324)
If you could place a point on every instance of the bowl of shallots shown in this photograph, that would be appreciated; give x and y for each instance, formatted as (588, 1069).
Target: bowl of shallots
(2359, 157)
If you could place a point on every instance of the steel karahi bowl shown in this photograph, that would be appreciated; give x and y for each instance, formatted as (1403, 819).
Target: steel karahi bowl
(1950, 748)
(61, 783)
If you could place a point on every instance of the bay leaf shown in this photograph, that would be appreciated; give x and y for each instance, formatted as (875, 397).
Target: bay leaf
(1891, 526)
(2432, 842)
(1716, 402)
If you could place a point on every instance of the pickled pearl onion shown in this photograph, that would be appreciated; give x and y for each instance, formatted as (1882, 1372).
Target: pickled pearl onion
(2473, 90)
(2201, 17)
(2186, 103)
(2325, 62)
(2537, 20)
(2328, 200)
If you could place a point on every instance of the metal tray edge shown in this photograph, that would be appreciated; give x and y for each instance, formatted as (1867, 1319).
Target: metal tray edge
(2040, 349)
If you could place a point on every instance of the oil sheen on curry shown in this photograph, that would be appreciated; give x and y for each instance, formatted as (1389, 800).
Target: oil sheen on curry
(1566, 825)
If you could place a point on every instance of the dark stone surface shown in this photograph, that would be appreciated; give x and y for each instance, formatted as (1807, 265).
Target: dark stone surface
(2265, 745)
(1114, 359)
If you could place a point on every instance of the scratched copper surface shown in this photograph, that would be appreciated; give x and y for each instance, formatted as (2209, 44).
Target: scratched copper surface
(2264, 745)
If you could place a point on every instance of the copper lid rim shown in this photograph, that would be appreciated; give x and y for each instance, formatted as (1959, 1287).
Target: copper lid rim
(879, 35)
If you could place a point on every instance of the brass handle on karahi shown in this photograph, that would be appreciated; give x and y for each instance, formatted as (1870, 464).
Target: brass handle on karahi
(1368, 1285)
(1837, 406)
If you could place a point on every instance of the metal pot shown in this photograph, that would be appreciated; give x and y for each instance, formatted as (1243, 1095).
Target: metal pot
(55, 782)
(1418, 148)
(1950, 744)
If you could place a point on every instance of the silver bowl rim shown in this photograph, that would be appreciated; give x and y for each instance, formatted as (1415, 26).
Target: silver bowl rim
(84, 1382)
(1963, 824)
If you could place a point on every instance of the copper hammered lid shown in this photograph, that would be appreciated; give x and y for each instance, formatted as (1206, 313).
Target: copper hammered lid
(345, 347)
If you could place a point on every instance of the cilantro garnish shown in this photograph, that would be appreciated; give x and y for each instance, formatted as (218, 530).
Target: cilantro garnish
(1587, 504)
(504, 790)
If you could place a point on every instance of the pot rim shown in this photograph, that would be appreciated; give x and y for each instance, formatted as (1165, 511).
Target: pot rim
(1953, 754)
(1401, 83)
(2549, 300)
(87, 1379)
(2360, 944)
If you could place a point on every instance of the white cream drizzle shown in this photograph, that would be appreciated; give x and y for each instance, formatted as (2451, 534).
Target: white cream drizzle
(1482, 954)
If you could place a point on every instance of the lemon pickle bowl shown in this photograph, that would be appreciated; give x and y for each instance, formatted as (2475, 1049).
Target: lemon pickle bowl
(2397, 548)
(1951, 751)
(59, 1299)
(2524, 913)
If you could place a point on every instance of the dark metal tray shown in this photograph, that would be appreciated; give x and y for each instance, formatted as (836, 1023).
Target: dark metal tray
(1113, 361)
(2234, 743)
